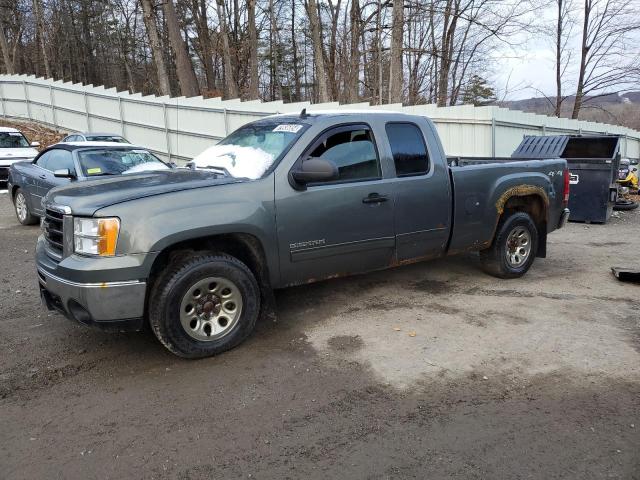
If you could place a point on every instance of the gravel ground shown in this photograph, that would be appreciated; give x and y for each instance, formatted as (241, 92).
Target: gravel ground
(429, 371)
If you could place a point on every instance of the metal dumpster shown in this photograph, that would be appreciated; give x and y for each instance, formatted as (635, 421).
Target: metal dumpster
(593, 164)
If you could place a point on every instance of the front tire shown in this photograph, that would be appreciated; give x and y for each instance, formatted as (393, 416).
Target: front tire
(21, 206)
(203, 305)
(514, 247)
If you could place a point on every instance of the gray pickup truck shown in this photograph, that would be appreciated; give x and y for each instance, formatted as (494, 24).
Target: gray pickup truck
(285, 200)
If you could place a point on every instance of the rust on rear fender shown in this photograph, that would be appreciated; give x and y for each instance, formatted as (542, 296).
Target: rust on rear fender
(521, 191)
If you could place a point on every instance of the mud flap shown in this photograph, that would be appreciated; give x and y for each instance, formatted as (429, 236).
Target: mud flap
(542, 245)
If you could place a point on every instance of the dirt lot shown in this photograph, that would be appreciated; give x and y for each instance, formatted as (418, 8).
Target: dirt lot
(531, 378)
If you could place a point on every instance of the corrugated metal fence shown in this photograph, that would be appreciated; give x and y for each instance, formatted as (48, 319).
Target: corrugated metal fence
(180, 128)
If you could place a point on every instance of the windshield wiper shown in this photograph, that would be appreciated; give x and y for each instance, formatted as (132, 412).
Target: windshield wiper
(215, 169)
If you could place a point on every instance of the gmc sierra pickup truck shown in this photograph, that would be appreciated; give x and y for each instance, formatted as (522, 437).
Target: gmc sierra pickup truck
(285, 200)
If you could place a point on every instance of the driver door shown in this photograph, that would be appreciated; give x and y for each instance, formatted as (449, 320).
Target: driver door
(339, 227)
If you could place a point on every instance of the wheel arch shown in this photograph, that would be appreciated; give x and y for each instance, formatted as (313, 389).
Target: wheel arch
(244, 246)
(530, 199)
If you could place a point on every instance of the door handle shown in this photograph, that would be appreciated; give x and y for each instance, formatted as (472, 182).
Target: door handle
(375, 198)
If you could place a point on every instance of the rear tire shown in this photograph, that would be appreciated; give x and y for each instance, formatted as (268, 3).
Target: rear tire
(514, 247)
(625, 205)
(21, 206)
(204, 304)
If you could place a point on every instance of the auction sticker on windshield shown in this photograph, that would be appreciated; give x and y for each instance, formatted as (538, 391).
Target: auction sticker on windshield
(288, 127)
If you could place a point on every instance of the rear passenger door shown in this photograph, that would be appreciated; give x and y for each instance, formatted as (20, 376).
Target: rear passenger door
(342, 226)
(422, 194)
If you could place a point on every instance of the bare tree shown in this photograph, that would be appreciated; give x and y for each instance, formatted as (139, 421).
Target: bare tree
(564, 24)
(253, 92)
(203, 41)
(354, 54)
(318, 51)
(606, 62)
(37, 12)
(8, 63)
(396, 75)
(184, 68)
(231, 87)
(150, 21)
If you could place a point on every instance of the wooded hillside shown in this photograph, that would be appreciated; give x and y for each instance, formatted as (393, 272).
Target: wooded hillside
(416, 51)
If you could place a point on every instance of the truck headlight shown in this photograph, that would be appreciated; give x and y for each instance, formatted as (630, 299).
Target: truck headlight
(95, 236)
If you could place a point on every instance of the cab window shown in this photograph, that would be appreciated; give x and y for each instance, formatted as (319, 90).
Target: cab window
(352, 150)
(409, 149)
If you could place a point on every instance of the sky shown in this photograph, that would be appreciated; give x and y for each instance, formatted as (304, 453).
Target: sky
(526, 72)
(527, 69)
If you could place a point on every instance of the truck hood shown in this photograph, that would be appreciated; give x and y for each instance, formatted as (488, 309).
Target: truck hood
(85, 198)
(10, 155)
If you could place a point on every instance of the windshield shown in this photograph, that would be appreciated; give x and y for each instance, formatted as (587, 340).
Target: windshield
(251, 150)
(95, 163)
(105, 138)
(13, 140)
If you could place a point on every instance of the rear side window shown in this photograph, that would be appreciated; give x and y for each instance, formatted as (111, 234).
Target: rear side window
(353, 152)
(56, 159)
(409, 150)
(60, 159)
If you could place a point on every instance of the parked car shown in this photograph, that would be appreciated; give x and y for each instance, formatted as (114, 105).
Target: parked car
(65, 163)
(283, 201)
(14, 147)
(94, 137)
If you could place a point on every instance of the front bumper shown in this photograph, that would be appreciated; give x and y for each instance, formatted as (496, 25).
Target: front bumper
(107, 305)
(564, 218)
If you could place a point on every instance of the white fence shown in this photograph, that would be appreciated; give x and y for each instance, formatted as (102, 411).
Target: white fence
(180, 128)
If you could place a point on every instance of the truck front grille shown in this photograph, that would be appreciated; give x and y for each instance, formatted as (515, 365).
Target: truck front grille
(52, 226)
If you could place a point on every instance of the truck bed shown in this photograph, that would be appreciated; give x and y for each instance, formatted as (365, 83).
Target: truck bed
(479, 188)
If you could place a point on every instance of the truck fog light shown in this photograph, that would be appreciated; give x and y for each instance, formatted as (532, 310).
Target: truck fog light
(95, 236)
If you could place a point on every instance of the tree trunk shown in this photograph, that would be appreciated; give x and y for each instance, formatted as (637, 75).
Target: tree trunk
(354, 56)
(294, 48)
(584, 51)
(276, 88)
(395, 65)
(156, 49)
(558, 102)
(37, 11)
(254, 91)
(231, 88)
(184, 68)
(333, 47)
(318, 54)
(446, 51)
(8, 64)
(204, 41)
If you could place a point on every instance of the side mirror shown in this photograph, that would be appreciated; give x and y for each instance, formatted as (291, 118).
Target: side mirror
(64, 173)
(315, 170)
(173, 164)
(35, 144)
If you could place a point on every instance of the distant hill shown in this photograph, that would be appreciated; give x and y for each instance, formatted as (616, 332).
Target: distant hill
(617, 109)
(543, 103)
